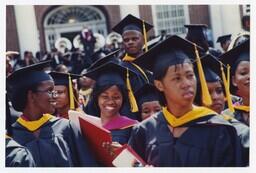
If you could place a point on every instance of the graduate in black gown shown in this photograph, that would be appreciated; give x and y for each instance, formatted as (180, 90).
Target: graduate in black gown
(110, 92)
(182, 134)
(239, 60)
(134, 34)
(219, 94)
(53, 142)
(15, 154)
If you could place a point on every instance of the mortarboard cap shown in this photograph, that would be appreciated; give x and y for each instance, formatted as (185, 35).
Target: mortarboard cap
(197, 34)
(131, 22)
(110, 57)
(29, 75)
(109, 73)
(63, 78)
(174, 50)
(234, 56)
(114, 74)
(147, 93)
(211, 67)
(222, 39)
(196, 29)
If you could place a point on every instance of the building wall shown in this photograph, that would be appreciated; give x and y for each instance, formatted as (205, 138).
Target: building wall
(199, 14)
(146, 14)
(225, 19)
(12, 41)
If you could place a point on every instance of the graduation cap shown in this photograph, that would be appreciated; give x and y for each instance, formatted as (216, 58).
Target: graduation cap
(63, 78)
(29, 75)
(214, 72)
(222, 39)
(212, 68)
(23, 78)
(131, 22)
(147, 93)
(174, 50)
(232, 59)
(234, 56)
(110, 57)
(197, 34)
(66, 79)
(114, 74)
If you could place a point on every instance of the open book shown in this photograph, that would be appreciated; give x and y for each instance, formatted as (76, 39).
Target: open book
(96, 135)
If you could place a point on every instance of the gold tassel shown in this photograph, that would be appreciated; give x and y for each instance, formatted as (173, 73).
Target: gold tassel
(206, 97)
(132, 100)
(71, 94)
(228, 76)
(226, 86)
(145, 35)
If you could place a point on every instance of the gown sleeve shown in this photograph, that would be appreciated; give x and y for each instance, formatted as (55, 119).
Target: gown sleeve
(83, 156)
(17, 155)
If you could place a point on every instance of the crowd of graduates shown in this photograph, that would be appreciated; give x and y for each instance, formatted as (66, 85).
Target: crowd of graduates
(177, 102)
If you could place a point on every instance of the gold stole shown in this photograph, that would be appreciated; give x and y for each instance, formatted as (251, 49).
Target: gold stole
(196, 113)
(34, 125)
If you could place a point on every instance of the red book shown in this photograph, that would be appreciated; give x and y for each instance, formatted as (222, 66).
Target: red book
(95, 134)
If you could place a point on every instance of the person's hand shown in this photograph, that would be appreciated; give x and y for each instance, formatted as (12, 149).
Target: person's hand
(111, 147)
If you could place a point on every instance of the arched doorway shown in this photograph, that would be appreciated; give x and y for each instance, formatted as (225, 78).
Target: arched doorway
(68, 21)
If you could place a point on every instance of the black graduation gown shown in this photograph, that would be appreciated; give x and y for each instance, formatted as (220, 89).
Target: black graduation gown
(59, 144)
(238, 114)
(243, 132)
(17, 155)
(121, 135)
(209, 141)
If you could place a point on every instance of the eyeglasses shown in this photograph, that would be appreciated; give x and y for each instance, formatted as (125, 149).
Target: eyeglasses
(52, 93)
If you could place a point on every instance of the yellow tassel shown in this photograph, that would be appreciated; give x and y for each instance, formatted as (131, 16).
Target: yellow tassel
(206, 97)
(226, 86)
(145, 35)
(71, 94)
(132, 100)
(228, 76)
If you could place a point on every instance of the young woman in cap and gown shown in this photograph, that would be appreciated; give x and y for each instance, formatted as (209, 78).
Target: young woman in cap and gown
(182, 134)
(215, 77)
(238, 59)
(53, 142)
(109, 94)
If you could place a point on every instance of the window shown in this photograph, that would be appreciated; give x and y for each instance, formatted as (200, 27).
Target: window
(246, 9)
(170, 18)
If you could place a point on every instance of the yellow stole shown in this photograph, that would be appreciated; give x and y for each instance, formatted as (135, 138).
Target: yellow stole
(128, 58)
(196, 113)
(34, 125)
(242, 108)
